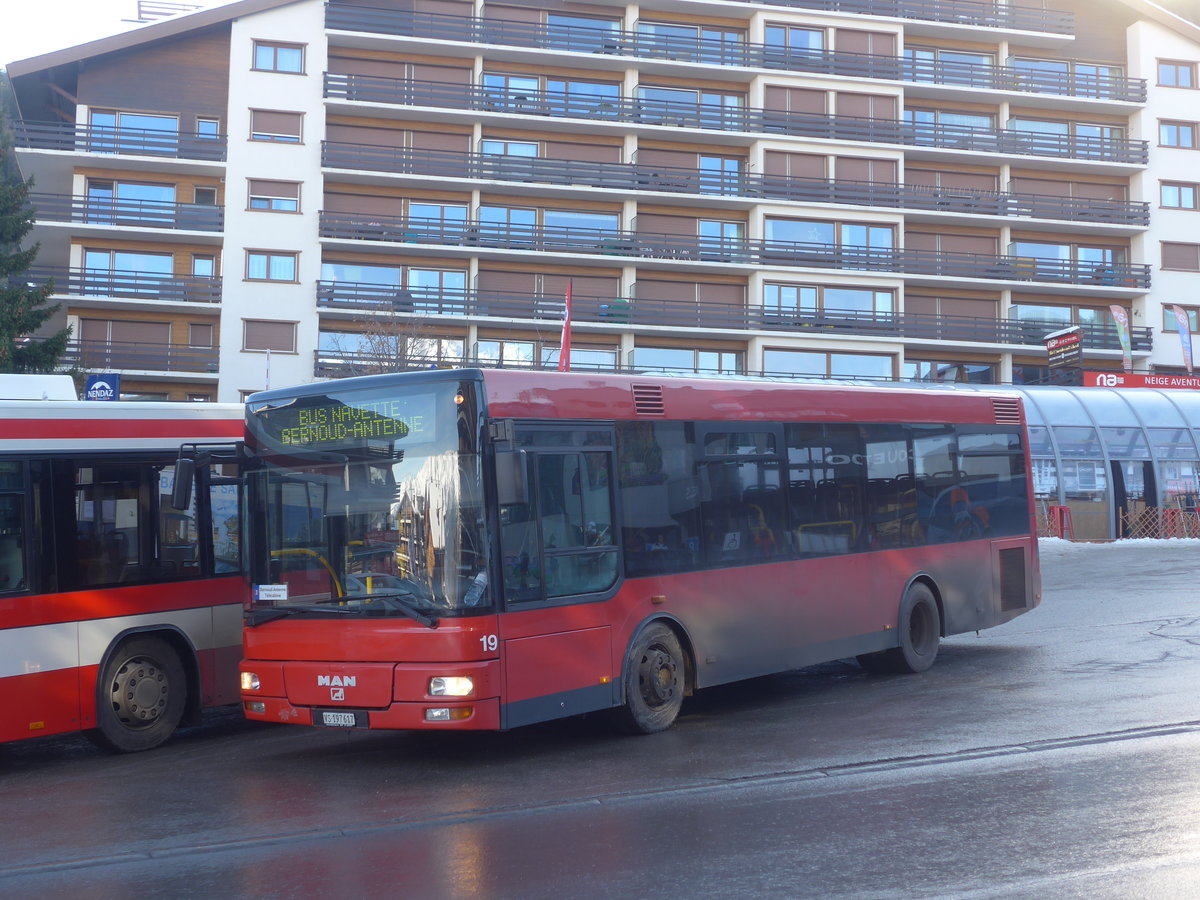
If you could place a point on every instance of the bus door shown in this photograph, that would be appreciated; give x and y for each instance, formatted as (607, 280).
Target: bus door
(559, 563)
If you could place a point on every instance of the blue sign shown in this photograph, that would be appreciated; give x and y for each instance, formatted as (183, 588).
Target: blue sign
(103, 387)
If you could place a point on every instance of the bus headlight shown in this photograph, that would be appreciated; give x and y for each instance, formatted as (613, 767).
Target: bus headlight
(450, 686)
(250, 682)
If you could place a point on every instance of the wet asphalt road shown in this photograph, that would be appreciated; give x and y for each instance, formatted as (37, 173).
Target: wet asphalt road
(1057, 756)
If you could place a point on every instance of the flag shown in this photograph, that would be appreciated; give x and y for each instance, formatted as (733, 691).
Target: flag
(1121, 318)
(564, 345)
(1185, 335)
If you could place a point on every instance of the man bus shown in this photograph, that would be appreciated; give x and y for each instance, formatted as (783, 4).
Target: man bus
(484, 549)
(120, 615)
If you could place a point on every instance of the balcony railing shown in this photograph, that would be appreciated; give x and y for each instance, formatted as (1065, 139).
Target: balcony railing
(625, 311)
(979, 13)
(751, 120)
(468, 29)
(130, 213)
(636, 244)
(642, 177)
(104, 284)
(146, 357)
(120, 141)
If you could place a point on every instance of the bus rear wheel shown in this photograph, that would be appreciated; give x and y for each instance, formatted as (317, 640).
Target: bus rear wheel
(140, 696)
(654, 682)
(920, 628)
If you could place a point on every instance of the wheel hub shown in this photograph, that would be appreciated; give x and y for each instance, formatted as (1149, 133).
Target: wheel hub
(139, 692)
(658, 683)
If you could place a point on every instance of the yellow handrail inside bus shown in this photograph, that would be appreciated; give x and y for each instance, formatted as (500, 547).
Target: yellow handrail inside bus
(304, 551)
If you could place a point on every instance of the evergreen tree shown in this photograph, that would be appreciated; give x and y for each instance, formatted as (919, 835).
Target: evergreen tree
(23, 308)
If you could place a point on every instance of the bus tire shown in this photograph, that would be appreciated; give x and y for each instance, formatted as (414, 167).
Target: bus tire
(920, 631)
(140, 696)
(654, 681)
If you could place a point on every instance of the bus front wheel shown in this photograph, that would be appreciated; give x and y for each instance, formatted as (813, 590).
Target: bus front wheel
(140, 696)
(654, 681)
(920, 628)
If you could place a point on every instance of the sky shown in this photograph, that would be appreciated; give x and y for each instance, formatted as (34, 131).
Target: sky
(33, 27)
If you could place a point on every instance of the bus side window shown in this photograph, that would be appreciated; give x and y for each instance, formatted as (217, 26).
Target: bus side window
(107, 523)
(178, 553)
(519, 550)
(12, 527)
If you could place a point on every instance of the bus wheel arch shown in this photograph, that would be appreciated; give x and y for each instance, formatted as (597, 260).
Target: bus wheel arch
(145, 687)
(921, 624)
(658, 672)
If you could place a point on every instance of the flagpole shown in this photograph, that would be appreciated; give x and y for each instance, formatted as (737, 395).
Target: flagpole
(564, 344)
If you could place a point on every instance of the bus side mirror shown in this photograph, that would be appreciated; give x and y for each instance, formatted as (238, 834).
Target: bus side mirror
(185, 475)
(512, 487)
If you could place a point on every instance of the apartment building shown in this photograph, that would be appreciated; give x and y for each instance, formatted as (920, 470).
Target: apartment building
(278, 191)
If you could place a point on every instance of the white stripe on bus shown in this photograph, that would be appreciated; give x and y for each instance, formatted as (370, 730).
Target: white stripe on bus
(69, 645)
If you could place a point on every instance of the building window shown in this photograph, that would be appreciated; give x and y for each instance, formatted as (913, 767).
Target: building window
(1193, 318)
(204, 266)
(1181, 257)
(786, 300)
(1172, 73)
(820, 364)
(259, 334)
(204, 196)
(1177, 195)
(1177, 134)
(955, 372)
(208, 129)
(280, 127)
(201, 335)
(683, 359)
(265, 265)
(272, 57)
(274, 196)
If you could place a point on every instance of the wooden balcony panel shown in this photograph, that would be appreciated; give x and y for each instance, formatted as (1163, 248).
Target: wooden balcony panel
(127, 213)
(117, 284)
(117, 141)
(751, 120)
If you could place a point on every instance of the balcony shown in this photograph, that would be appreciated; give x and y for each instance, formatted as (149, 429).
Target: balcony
(749, 120)
(627, 312)
(126, 213)
(101, 355)
(119, 141)
(740, 252)
(142, 357)
(126, 285)
(979, 13)
(627, 177)
(615, 42)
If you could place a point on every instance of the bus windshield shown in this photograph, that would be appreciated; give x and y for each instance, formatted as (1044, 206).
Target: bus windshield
(372, 504)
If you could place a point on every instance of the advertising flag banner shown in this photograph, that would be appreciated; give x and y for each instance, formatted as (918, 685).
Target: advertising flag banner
(1121, 318)
(564, 346)
(1183, 323)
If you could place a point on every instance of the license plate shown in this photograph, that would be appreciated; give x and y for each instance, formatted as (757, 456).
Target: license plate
(339, 719)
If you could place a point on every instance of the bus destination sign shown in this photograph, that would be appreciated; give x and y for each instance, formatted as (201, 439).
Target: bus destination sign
(329, 423)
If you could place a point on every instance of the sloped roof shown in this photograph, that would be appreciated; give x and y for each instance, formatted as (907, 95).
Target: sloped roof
(1182, 16)
(154, 31)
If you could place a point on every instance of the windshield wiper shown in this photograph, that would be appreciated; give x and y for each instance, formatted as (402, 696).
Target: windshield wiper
(396, 599)
(257, 617)
(393, 599)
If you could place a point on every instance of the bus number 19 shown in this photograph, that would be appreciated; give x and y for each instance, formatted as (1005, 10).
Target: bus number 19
(489, 642)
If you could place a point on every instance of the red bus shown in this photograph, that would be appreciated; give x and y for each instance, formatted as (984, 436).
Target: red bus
(484, 549)
(119, 614)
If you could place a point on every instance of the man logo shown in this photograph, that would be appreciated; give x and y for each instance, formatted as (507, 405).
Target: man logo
(337, 693)
(336, 680)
